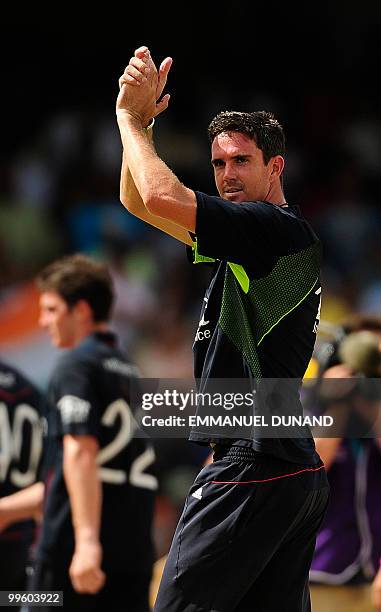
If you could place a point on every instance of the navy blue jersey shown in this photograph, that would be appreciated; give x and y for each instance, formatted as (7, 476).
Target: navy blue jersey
(21, 440)
(90, 394)
(260, 312)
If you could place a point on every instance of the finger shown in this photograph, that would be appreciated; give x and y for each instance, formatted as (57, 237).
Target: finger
(141, 51)
(162, 105)
(96, 581)
(75, 582)
(92, 586)
(101, 577)
(126, 79)
(138, 64)
(135, 74)
(147, 59)
(165, 66)
(164, 69)
(90, 582)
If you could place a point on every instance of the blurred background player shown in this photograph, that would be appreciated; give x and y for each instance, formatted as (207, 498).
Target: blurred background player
(95, 542)
(348, 549)
(21, 436)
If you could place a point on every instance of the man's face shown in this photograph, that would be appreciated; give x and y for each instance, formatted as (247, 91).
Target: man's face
(239, 169)
(58, 319)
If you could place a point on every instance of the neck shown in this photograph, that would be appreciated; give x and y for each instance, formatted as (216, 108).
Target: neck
(275, 194)
(90, 328)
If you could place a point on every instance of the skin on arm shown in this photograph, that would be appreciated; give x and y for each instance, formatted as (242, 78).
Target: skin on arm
(130, 198)
(85, 494)
(23, 505)
(327, 449)
(129, 195)
(163, 195)
(337, 382)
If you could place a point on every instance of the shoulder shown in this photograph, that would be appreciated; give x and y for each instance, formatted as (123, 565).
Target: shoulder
(13, 382)
(10, 377)
(73, 361)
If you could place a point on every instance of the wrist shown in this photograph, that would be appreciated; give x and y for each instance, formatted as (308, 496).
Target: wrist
(125, 117)
(86, 535)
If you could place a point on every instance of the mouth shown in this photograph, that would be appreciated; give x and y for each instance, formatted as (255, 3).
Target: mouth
(232, 194)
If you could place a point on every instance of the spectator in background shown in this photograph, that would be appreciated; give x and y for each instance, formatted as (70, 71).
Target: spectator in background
(21, 436)
(348, 547)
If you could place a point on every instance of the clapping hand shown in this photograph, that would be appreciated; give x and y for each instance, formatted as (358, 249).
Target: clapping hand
(141, 87)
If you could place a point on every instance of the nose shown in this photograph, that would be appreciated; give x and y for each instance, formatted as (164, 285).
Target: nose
(42, 322)
(229, 171)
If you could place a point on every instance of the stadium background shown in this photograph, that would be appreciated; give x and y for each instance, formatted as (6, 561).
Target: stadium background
(316, 68)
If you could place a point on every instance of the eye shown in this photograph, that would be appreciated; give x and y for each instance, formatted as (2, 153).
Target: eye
(217, 163)
(241, 160)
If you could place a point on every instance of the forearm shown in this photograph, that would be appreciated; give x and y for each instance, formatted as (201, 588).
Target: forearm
(23, 505)
(160, 190)
(150, 174)
(327, 449)
(84, 489)
(129, 195)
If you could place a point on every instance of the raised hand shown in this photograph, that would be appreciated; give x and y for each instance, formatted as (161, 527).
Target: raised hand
(141, 73)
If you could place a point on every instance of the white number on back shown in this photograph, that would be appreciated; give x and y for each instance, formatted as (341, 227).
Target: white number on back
(137, 477)
(11, 444)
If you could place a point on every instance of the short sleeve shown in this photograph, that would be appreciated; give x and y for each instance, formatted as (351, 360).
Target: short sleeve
(74, 397)
(247, 232)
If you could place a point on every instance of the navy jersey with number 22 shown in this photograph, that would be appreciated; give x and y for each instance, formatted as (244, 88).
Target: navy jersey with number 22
(90, 394)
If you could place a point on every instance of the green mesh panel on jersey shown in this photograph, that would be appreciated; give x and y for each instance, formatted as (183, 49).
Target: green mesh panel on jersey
(246, 318)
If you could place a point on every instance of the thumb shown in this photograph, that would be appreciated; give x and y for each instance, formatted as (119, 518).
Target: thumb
(162, 105)
(164, 69)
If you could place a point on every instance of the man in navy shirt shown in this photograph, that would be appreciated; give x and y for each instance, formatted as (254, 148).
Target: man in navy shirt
(95, 543)
(21, 441)
(247, 533)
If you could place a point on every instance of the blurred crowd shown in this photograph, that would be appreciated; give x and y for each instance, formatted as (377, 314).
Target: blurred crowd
(61, 195)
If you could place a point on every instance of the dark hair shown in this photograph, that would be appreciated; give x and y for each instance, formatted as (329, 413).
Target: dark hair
(77, 277)
(260, 126)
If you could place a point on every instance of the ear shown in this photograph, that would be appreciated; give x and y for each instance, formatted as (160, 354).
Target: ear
(83, 311)
(277, 166)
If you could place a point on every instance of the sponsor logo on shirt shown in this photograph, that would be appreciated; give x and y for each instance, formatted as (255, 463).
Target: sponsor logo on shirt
(120, 367)
(202, 334)
(73, 409)
(198, 493)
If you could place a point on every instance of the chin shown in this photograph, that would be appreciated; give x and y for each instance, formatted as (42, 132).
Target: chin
(58, 342)
(236, 198)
